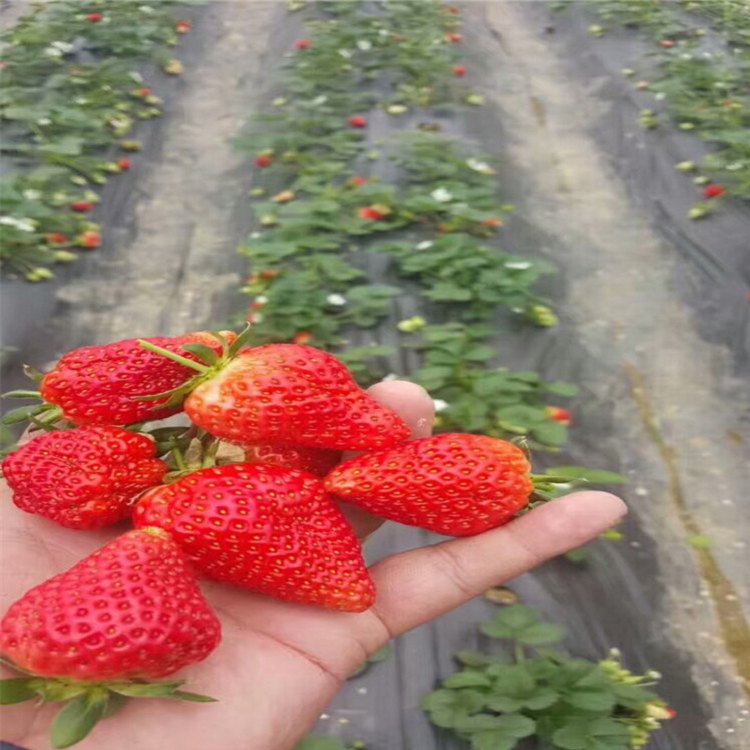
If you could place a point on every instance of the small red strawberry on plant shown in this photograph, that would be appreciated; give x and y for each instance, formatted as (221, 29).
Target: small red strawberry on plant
(94, 635)
(143, 92)
(94, 17)
(182, 26)
(266, 528)
(357, 121)
(459, 70)
(84, 478)
(302, 338)
(263, 160)
(82, 206)
(452, 484)
(558, 414)
(317, 461)
(454, 38)
(358, 181)
(124, 164)
(302, 44)
(714, 190)
(89, 240)
(666, 43)
(373, 213)
(57, 238)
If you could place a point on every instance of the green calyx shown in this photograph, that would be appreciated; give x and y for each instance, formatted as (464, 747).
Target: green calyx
(86, 703)
(209, 364)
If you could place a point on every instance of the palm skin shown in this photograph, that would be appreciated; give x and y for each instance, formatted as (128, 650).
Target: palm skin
(280, 664)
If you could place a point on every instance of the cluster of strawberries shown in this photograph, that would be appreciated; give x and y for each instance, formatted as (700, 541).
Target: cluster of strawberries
(243, 495)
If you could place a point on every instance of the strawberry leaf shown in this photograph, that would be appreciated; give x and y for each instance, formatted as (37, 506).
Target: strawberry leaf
(78, 718)
(16, 690)
(183, 695)
(145, 690)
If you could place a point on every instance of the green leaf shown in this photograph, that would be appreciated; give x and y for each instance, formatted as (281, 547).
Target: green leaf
(493, 740)
(543, 698)
(550, 433)
(541, 633)
(145, 690)
(183, 695)
(561, 389)
(472, 659)
(203, 352)
(446, 707)
(590, 700)
(16, 690)
(77, 719)
(573, 736)
(595, 476)
(515, 680)
(467, 679)
(505, 704)
(517, 616)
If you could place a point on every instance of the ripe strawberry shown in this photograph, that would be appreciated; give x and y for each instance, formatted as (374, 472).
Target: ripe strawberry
(459, 70)
(370, 213)
(292, 395)
(303, 337)
(90, 240)
(666, 43)
(558, 414)
(94, 17)
(452, 484)
(105, 384)
(263, 161)
(182, 26)
(84, 478)
(143, 92)
(714, 190)
(130, 612)
(454, 38)
(357, 121)
(269, 529)
(57, 238)
(82, 206)
(317, 461)
(359, 181)
(302, 44)
(124, 164)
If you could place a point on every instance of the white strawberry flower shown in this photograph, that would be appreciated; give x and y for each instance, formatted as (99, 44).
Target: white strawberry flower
(337, 300)
(364, 45)
(441, 195)
(53, 52)
(345, 53)
(23, 225)
(479, 166)
(425, 245)
(520, 265)
(318, 100)
(261, 299)
(440, 405)
(32, 195)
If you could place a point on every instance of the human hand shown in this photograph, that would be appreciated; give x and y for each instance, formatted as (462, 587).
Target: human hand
(280, 664)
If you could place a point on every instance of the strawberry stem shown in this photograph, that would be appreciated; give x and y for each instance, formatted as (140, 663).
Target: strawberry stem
(179, 459)
(203, 369)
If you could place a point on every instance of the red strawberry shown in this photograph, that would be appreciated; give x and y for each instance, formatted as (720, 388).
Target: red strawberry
(714, 190)
(263, 161)
(82, 206)
(454, 38)
(182, 26)
(317, 461)
(666, 43)
(104, 384)
(130, 612)
(370, 213)
(143, 92)
(359, 181)
(452, 484)
(94, 17)
(57, 238)
(357, 121)
(303, 337)
(269, 529)
(89, 240)
(124, 164)
(302, 44)
(292, 395)
(558, 414)
(84, 478)
(459, 70)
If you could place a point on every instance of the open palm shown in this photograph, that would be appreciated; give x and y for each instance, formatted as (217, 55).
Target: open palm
(280, 664)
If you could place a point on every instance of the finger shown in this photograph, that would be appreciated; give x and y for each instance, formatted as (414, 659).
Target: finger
(420, 585)
(414, 405)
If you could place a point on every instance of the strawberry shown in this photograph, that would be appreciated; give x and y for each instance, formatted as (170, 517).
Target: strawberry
(292, 395)
(182, 26)
(106, 384)
(143, 92)
(454, 38)
(266, 528)
(459, 70)
(357, 121)
(666, 43)
(714, 190)
(130, 612)
(452, 484)
(317, 461)
(124, 164)
(370, 213)
(84, 478)
(82, 206)
(303, 337)
(263, 161)
(57, 238)
(90, 240)
(94, 17)
(558, 414)
(302, 44)
(359, 181)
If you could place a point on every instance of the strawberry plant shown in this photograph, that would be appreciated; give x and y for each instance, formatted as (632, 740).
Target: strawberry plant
(500, 697)
(70, 93)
